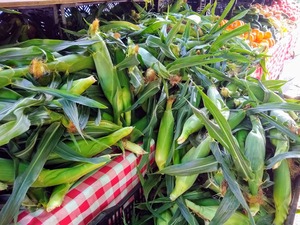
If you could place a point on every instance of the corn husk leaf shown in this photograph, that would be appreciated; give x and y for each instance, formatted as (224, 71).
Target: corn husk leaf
(150, 61)
(222, 133)
(230, 178)
(149, 91)
(31, 141)
(274, 85)
(67, 153)
(190, 61)
(53, 45)
(227, 207)
(20, 123)
(155, 42)
(71, 111)
(25, 84)
(22, 183)
(128, 62)
(272, 106)
(293, 153)
(24, 53)
(197, 166)
(294, 137)
(219, 42)
(189, 217)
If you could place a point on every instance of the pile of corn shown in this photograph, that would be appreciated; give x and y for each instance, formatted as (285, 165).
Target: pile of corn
(223, 138)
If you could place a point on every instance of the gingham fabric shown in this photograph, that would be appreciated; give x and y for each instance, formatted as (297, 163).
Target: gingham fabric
(101, 190)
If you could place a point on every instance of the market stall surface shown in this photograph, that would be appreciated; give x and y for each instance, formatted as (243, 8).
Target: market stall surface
(291, 73)
(292, 88)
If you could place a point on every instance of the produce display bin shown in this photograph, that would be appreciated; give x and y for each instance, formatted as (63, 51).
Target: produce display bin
(102, 190)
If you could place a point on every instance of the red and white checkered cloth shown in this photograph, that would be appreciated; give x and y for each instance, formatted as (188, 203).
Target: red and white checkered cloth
(102, 190)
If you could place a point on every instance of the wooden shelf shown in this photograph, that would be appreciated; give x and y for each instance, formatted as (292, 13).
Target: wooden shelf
(38, 3)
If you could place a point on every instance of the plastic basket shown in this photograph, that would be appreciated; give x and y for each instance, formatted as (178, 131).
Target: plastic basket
(123, 211)
(198, 5)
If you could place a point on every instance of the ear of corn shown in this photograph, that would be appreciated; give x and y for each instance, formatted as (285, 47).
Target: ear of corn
(164, 218)
(255, 151)
(190, 126)
(183, 183)
(281, 143)
(89, 148)
(285, 119)
(241, 136)
(282, 192)
(106, 72)
(125, 88)
(53, 177)
(6, 93)
(165, 136)
(236, 117)
(216, 98)
(80, 85)
(8, 170)
(208, 212)
(132, 147)
(57, 196)
(139, 126)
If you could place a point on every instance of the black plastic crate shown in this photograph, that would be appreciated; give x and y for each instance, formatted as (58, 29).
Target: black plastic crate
(121, 212)
(198, 5)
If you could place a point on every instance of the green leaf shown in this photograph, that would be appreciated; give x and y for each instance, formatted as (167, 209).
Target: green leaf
(128, 62)
(31, 141)
(149, 91)
(21, 104)
(156, 25)
(191, 220)
(294, 137)
(14, 128)
(151, 183)
(223, 38)
(24, 53)
(272, 106)
(155, 42)
(71, 111)
(195, 60)
(197, 166)
(53, 45)
(231, 181)
(22, 183)
(274, 85)
(25, 84)
(222, 133)
(173, 32)
(20, 122)
(235, 57)
(67, 153)
(152, 62)
(294, 152)
(136, 79)
(227, 207)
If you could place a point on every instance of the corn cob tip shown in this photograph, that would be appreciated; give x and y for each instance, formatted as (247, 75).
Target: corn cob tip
(175, 79)
(132, 147)
(94, 27)
(225, 92)
(181, 139)
(150, 75)
(37, 68)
